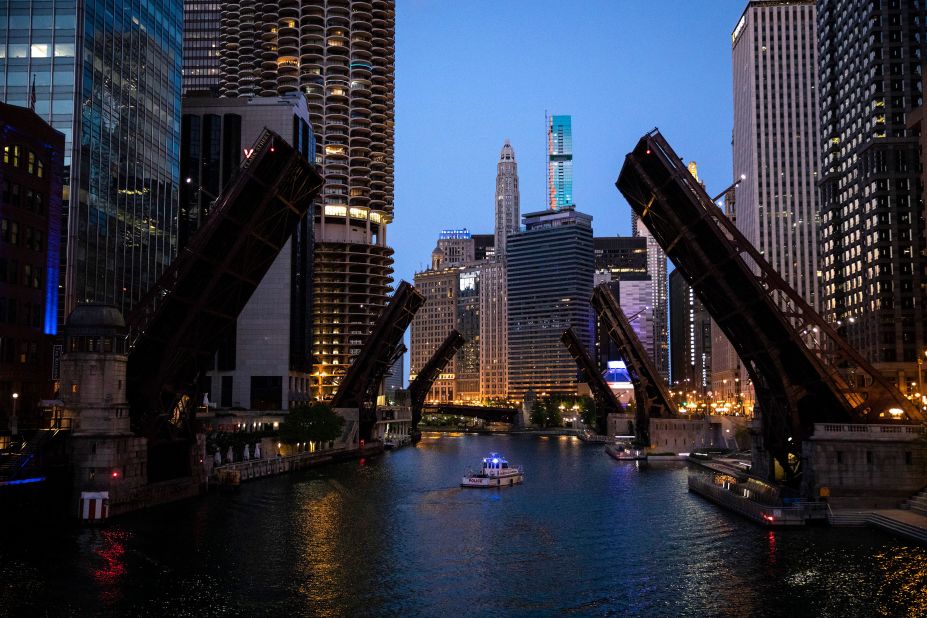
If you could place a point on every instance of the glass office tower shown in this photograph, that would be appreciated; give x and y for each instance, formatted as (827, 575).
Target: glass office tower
(560, 162)
(545, 297)
(107, 75)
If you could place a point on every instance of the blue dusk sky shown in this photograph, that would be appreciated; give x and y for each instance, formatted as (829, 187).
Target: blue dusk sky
(471, 73)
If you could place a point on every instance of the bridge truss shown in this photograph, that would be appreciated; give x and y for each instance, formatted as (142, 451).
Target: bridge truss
(175, 330)
(651, 396)
(431, 370)
(803, 372)
(605, 401)
(359, 386)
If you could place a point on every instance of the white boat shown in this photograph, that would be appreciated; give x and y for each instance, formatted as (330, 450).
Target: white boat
(495, 472)
(625, 452)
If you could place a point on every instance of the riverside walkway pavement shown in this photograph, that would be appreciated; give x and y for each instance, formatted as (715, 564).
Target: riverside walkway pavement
(897, 521)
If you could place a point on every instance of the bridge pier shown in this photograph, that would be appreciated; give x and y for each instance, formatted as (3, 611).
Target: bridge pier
(857, 466)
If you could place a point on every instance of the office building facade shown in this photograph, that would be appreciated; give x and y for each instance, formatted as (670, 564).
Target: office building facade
(776, 137)
(545, 297)
(690, 337)
(30, 237)
(108, 77)
(435, 320)
(457, 246)
(265, 364)
(870, 59)
(201, 46)
(621, 262)
(493, 297)
(656, 268)
(508, 198)
(559, 162)
(340, 55)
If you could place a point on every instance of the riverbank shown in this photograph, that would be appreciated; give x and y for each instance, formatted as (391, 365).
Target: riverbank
(501, 432)
(230, 475)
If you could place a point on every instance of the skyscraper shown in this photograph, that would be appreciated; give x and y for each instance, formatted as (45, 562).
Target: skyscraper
(871, 54)
(108, 77)
(775, 139)
(493, 295)
(494, 328)
(201, 46)
(546, 296)
(339, 54)
(621, 262)
(440, 285)
(264, 363)
(656, 267)
(559, 162)
(690, 328)
(508, 207)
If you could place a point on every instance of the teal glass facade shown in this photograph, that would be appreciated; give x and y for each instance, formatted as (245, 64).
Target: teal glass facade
(560, 162)
(108, 76)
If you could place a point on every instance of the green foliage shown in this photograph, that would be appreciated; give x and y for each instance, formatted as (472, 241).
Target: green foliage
(311, 423)
(538, 414)
(221, 441)
(588, 411)
(553, 418)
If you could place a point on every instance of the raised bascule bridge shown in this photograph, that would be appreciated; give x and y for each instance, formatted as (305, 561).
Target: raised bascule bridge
(429, 373)
(175, 330)
(357, 391)
(803, 372)
(651, 395)
(605, 401)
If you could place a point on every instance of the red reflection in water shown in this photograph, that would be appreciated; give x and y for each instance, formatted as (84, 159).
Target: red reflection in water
(112, 551)
(362, 461)
(772, 547)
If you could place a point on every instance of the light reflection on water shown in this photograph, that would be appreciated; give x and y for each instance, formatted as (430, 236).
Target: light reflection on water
(584, 535)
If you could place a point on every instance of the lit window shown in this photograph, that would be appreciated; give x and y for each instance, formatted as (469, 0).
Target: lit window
(39, 50)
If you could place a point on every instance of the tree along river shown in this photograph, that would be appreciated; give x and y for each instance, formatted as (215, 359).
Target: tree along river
(396, 535)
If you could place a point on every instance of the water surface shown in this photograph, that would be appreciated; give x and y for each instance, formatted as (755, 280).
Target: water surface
(584, 535)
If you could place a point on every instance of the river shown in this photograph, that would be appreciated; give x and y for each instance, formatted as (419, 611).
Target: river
(395, 535)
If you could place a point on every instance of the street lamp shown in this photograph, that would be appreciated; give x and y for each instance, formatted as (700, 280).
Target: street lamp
(734, 184)
(14, 428)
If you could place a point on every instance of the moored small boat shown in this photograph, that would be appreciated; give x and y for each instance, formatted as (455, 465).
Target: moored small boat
(624, 452)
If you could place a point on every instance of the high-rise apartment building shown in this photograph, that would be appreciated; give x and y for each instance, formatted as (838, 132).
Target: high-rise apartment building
(201, 46)
(776, 137)
(546, 296)
(870, 61)
(108, 77)
(264, 364)
(559, 162)
(340, 55)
